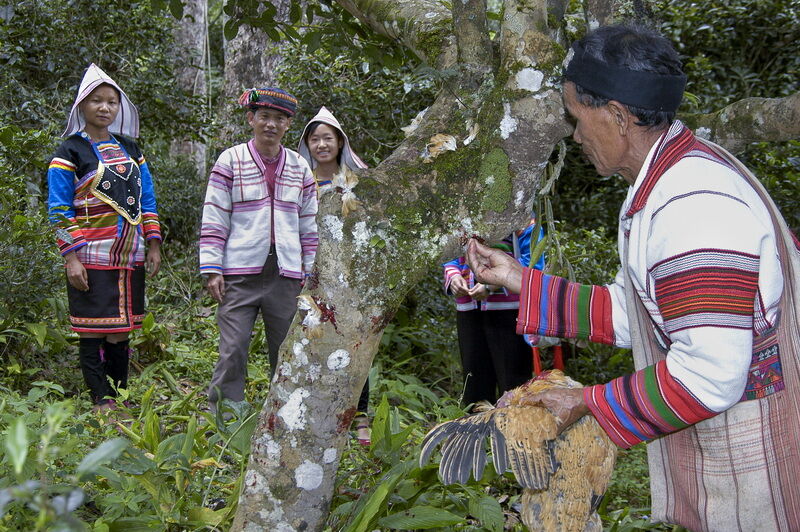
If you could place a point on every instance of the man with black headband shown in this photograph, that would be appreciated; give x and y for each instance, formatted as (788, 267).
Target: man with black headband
(258, 237)
(700, 299)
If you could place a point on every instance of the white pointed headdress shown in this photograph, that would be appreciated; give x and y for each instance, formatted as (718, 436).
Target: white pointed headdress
(127, 121)
(349, 157)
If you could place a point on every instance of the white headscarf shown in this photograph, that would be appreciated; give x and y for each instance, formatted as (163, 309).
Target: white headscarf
(127, 120)
(349, 157)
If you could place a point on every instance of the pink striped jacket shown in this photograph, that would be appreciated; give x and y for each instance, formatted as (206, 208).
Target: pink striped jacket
(238, 214)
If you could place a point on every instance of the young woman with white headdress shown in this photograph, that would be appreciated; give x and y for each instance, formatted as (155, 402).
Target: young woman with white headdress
(326, 147)
(103, 207)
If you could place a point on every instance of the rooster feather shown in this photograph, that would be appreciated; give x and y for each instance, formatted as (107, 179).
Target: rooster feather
(563, 476)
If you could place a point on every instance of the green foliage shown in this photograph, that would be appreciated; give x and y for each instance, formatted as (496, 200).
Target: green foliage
(370, 100)
(727, 60)
(778, 167)
(384, 487)
(46, 45)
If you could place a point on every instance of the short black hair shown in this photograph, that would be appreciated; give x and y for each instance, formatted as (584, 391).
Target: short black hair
(635, 47)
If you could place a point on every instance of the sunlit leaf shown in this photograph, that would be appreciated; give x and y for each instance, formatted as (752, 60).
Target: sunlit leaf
(106, 452)
(17, 444)
(420, 517)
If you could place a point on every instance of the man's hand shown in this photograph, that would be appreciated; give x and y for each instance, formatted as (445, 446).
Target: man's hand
(153, 261)
(458, 286)
(565, 403)
(216, 286)
(492, 266)
(76, 272)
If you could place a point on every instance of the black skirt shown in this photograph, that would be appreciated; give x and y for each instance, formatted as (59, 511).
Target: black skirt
(114, 302)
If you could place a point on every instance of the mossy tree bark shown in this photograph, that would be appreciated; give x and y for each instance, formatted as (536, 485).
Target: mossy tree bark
(472, 166)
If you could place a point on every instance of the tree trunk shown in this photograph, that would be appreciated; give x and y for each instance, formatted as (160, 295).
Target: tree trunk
(467, 169)
(472, 167)
(191, 50)
(251, 60)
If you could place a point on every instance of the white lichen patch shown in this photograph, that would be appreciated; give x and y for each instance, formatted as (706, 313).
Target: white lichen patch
(300, 356)
(270, 447)
(490, 180)
(519, 197)
(285, 369)
(530, 79)
(339, 359)
(329, 455)
(293, 413)
(360, 235)
(308, 475)
(333, 225)
(508, 124)
(255, 480)
(314, 371)
(703, 133)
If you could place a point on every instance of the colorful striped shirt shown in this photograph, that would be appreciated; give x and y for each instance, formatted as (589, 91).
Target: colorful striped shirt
(83, 222)
(703, 259)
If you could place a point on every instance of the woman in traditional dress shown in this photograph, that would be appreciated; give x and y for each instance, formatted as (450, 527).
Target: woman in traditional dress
(103, 207)
(326, 147)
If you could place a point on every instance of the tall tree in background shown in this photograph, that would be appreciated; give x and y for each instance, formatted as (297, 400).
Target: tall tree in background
(473, 165)
(252, 55)
(191, 49)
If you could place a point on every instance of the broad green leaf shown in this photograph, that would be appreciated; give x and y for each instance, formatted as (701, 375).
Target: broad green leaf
(376, 499)
(105, 453)
(240, 439)
(134, 462)
(17, 444)
(188, 442)
(148, 323)
(49, 386)
(420, 517)
(152, 431)
(206, 517)
(380, 423)
(176, 8)
(39, 331)
(488, 511)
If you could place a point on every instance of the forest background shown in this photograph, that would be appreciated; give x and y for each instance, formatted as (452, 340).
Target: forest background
(176, 467)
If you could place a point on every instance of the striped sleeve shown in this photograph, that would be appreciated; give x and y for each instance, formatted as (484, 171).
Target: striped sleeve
(451, 269)
(216, 221)
(150, 223)
(554, 306)
(60, 207)
(643, 406)
(706, 288)
(309, 236)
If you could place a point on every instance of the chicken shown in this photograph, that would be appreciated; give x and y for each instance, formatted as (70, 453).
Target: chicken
(563, 476)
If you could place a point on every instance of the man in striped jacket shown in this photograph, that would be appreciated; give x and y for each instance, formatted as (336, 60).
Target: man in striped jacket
(258, 237)
(700, 299)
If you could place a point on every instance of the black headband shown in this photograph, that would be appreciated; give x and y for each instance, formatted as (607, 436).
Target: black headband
(646, 90)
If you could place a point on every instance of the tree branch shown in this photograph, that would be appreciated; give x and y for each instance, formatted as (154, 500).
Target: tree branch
(533, 116)
(750, 120)
(472, 36)
(423, 26)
